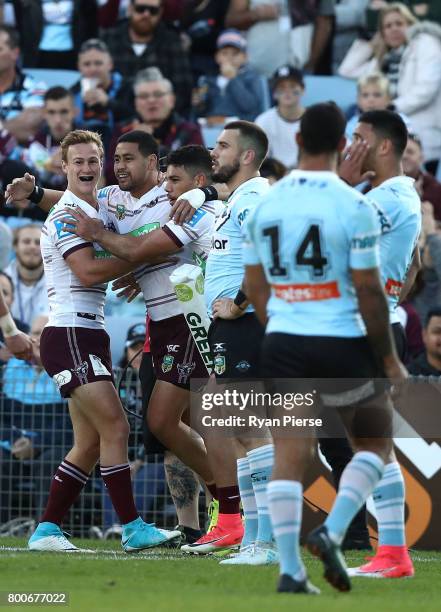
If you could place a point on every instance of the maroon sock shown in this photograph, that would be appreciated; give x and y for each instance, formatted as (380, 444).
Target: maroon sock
(66, 485)
(212, 488)
(229, 499)
(119, 486)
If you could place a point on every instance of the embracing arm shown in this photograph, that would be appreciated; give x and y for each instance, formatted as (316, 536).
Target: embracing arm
(91, 270)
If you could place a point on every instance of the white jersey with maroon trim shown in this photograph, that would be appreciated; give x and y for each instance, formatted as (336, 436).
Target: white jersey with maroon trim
(71, 304)
(139, 216)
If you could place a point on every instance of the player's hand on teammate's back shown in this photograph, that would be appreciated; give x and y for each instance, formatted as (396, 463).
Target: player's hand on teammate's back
(128, 285)
(20, 189)
(20, 346)
(225, 308)
(182, 211)
(351, 166)
(77, 222)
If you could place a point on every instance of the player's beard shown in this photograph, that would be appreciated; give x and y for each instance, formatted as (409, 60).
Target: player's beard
(226, 173)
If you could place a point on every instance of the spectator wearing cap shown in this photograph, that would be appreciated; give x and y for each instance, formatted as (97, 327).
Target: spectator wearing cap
(52, 31)
(145, 41)
(133, 348)
(238, 90)
(99, 94)
(426, 184)
(282, 122)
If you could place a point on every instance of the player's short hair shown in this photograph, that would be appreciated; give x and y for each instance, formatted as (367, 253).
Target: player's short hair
(193, 158)
(387, 125)
(81, 137)
(13, 35)
(322, 127)
(147, 145)
(273, 167)
(18, 231)
(433, 312)
(376, 78)
(251, 136)
(57, 93)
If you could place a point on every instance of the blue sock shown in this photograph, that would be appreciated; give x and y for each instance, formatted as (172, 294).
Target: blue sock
(286, 503)
(358, 480)
(389, 497)
(261, 462)
(248, 502)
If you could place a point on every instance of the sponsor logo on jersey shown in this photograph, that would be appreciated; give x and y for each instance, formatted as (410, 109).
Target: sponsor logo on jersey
(60, 226)
(173, 348)
(220, 244)
(219, 364)
(196, 217)
(306, 292)
(98, 367)
(145, 229)
(120, 212)
(368, 242)
(219, 347)
(86, 315)
(167, 363)
(62, 378)
(242, 216)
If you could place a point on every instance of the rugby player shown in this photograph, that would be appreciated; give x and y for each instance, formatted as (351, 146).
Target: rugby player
(312, 261)
(235, 336)
(380, 139)
(75, 351)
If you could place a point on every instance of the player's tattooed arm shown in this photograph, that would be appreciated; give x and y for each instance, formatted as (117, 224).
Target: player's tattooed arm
(374, 310)
(415, 266)
(258, 290)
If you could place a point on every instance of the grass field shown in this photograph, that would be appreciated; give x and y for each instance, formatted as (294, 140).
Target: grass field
(163, 580)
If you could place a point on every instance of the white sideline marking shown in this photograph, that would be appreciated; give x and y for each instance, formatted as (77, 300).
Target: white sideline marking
(95, 554)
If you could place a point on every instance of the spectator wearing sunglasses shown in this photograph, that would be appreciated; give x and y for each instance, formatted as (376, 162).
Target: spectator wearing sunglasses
(144, 41)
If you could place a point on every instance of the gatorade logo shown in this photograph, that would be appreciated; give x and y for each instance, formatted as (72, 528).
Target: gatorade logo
(183, 292)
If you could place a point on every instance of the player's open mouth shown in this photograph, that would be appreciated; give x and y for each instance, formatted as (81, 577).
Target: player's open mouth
(86, 179)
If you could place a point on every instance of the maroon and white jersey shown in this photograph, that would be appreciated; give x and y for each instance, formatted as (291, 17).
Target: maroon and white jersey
(139, 216)
(71, 304)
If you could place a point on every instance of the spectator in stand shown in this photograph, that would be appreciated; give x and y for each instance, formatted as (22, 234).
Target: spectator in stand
(203, 21)
(430, 11)
(99, 95)
(426, 184)
(7, 290)
(21, 98)
(285, 32)
(273, 170)
(429, 290)
(52, 31)
(237, 90)
(43, 153)
(282, 122)
(156, 114)
(26, 271)
(350, 18)
(143, 41)
(429, 362)
(411, 323)
(409, 54)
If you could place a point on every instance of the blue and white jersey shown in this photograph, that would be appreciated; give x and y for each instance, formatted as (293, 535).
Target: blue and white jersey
(225, 268)
(308, 233)
(399, 209)
(24, 92)
(57, 25)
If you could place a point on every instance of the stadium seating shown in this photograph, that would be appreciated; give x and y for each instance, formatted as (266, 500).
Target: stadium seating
(322, 88)
(52, 77)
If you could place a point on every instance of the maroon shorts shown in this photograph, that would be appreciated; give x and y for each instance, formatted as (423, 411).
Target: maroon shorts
(176, 358)
(75, 356)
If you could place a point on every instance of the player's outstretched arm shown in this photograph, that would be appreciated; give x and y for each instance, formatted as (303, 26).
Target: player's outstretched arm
(24, 188)
(133, 249)
(374, 310)
(258, 290)
(18, 343)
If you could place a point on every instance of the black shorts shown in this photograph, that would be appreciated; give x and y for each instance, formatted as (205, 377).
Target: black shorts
(75, 356)
(147, 378)
(176, 358)
(350, 361)
(235, 347)
(400, 341)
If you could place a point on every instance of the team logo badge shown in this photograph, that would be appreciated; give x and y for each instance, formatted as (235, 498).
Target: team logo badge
(120, 212)
(185, 369)
(243, 366)
(219, 364)
(167, 363)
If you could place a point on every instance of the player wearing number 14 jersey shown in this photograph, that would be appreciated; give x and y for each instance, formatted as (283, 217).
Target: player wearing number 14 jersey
(312, 259)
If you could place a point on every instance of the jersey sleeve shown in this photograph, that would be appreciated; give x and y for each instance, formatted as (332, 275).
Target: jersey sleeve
(364, 236)
(64, 241)
(241, 210)
(201, 222)
(250, 254)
